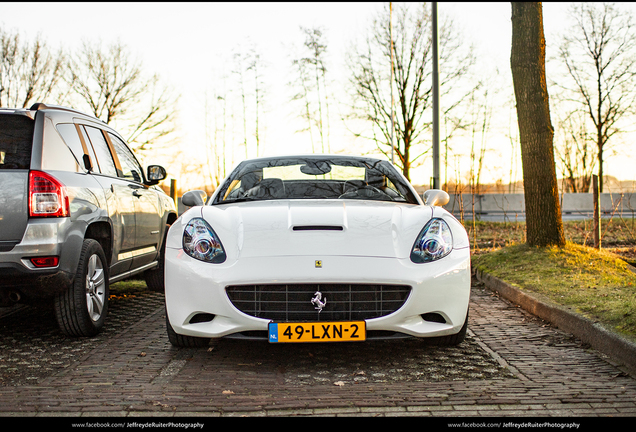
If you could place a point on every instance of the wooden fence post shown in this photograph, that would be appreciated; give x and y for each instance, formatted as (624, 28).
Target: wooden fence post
(597, 213)
(173, 192)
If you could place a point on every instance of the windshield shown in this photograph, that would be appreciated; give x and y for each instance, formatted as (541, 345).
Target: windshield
(332, 177)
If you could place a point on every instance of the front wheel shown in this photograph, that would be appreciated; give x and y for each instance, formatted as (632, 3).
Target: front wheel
(451, 340)
(81, 310)
(183, 341)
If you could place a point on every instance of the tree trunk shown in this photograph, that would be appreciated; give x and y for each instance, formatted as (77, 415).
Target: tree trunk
(543, 213)
(406, 163)
(600, 165)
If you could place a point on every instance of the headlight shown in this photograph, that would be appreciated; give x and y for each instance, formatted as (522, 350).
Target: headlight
(201, 242)
(434, 242)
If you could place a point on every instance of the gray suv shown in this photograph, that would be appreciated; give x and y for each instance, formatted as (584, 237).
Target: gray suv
(77, 212)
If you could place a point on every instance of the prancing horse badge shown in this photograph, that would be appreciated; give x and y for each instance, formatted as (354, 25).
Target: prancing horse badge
(318, 264)
(318, 301)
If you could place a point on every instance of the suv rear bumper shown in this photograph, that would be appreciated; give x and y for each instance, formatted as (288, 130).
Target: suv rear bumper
(16, 285)
(19, 278)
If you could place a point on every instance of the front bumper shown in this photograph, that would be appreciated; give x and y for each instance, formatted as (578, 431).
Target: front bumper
(194, 287)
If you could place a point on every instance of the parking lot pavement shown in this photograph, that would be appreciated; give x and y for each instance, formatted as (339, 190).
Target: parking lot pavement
(511, 365)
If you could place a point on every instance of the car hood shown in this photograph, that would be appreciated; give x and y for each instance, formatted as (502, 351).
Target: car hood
(315, 227)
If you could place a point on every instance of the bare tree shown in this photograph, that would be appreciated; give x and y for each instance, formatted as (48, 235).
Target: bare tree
(28, 72)
(256, 66)
(370, 78)
(480, 124)
(248, 71)
(599, 54)
(114, 88)
(302, 94)
(220, 139)
(576, 153)
(216, 141)
(310, 85)
(217, 101)
(240, 60)
(527, 60)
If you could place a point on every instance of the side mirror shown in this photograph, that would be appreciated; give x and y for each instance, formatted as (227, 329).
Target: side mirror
(155, 173)
(436, 197)
(194, 198)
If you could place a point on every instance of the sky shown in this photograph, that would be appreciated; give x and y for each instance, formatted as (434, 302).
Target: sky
(186, 42)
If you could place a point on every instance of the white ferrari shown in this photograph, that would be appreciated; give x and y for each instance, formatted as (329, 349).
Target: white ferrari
(316, 249)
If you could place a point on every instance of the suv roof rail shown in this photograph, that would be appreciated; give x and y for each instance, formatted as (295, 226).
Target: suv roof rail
(37, 106)
(40, 106)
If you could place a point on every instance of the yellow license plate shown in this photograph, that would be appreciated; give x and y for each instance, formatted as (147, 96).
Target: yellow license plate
(337, 331)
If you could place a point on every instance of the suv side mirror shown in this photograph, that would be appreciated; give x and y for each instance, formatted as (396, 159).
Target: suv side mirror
(194, 198)
(155, 173)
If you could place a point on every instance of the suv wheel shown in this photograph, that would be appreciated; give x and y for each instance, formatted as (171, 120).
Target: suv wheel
(82, 309)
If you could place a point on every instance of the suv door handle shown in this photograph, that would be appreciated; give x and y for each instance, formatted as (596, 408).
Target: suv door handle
(136, 189)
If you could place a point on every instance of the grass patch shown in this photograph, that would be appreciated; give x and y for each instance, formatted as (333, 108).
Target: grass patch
(127, 288)
(595, 283)
(617, 234)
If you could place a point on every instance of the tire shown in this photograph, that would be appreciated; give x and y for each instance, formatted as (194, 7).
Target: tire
(182, 341)
(155, 278)
(451, 340)
(82, 309)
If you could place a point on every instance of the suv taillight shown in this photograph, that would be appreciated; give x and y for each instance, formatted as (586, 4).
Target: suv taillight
(47, 196)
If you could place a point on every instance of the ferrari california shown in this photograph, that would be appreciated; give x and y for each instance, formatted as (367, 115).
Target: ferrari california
(316, 249)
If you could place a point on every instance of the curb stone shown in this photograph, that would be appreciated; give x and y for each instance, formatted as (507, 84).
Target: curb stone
(615, 346)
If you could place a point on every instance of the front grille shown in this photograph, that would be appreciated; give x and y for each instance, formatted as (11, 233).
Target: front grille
(292, 302)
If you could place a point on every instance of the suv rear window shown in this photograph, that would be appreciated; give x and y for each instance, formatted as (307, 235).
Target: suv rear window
(16, 140)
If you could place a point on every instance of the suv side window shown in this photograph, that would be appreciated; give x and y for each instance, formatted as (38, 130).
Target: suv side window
(72, 140)
(131, 170)
(91, 151)
(104, 158)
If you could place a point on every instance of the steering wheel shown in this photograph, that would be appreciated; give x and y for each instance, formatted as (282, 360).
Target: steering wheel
(367, 192)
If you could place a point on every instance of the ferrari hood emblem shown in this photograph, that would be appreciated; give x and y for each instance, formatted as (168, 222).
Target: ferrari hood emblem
(318, 302)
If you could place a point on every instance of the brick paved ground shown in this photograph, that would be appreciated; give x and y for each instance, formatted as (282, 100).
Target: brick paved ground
(512, 365)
